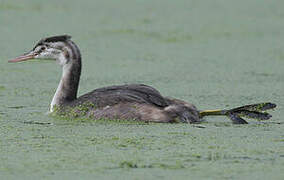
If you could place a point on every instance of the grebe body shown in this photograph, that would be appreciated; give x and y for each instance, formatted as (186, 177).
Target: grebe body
(130, 102)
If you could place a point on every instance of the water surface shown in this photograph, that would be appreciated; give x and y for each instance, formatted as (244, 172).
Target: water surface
(214, 54)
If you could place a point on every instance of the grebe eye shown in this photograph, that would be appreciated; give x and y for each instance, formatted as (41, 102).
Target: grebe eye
(42, 48)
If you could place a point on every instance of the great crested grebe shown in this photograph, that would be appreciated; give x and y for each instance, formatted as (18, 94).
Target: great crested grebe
(130, 102)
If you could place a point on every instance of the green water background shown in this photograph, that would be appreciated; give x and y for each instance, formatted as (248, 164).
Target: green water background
(214, 54)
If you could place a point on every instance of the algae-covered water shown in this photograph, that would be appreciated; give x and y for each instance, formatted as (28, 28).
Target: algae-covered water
(214, 54)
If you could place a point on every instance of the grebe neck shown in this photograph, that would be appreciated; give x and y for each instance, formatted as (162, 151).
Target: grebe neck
(67, 89)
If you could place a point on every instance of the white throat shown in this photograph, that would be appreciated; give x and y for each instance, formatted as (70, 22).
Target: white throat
(59, 91)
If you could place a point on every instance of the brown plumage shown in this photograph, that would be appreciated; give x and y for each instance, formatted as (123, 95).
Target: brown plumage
(131, 102)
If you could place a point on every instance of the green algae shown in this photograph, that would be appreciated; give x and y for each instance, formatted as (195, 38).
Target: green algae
(7, 6)
(83, 113)
(79, 111)
(214, 54)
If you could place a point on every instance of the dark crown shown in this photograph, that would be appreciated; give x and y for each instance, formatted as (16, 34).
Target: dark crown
(57, 38)
(53, 39)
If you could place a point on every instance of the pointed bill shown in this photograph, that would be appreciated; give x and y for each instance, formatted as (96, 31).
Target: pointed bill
(24, 57)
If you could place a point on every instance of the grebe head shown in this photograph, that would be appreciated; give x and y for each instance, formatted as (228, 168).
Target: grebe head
(55, 47)
(67, 54)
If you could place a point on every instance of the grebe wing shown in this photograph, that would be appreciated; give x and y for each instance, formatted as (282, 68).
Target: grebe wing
(111, 95)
